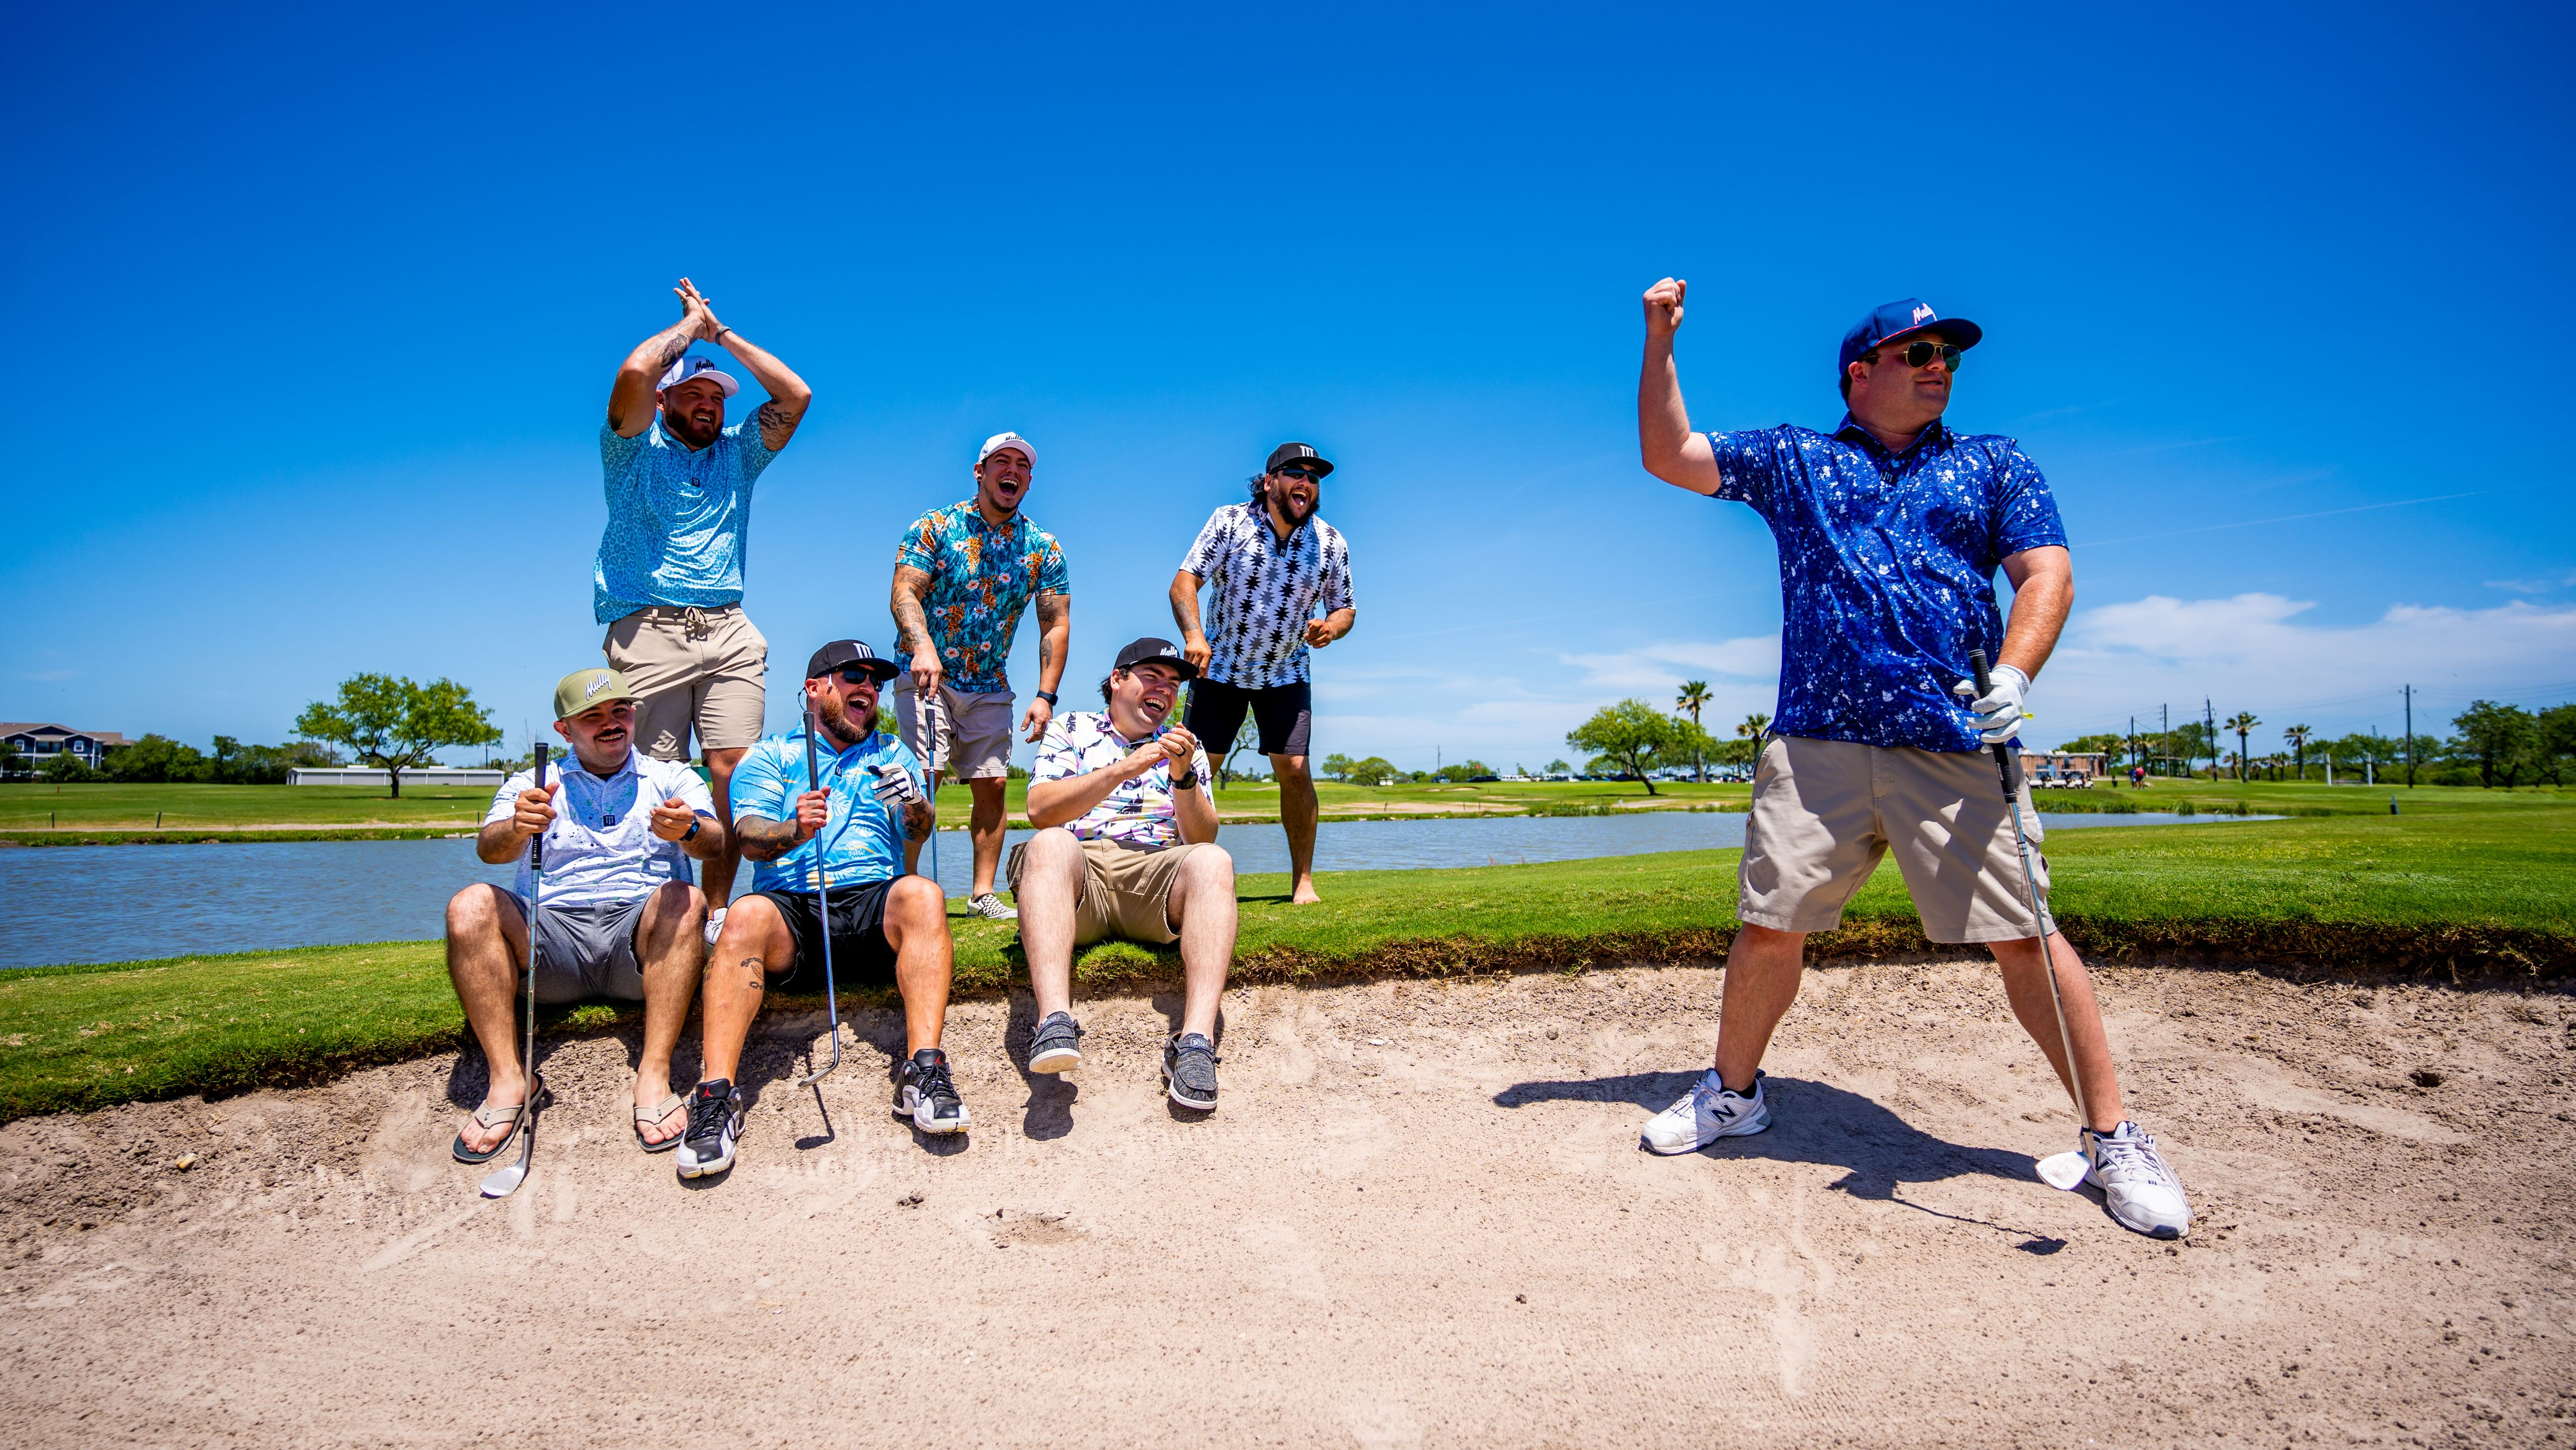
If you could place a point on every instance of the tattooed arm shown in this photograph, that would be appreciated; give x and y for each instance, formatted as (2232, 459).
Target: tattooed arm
(912, 626)
(763, 839)
(1055, 632)
(631, 399)
(788, 395)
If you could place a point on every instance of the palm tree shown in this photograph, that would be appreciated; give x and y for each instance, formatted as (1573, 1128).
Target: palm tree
(2298, 735)
(1694, 695)
(2243, 723)
(1753, 726)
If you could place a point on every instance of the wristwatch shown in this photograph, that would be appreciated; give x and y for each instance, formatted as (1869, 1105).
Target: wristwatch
(1186, 782)
(691, 833)
(1048, 696)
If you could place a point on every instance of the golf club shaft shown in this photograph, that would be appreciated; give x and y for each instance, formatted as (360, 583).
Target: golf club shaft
(823, 897)
(2008, 772)
(536, 889)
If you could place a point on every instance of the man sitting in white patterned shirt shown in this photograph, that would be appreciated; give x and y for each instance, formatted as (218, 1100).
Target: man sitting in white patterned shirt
(1125, 848)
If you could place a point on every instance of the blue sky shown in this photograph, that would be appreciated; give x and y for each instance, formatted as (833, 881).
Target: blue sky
(317, 315)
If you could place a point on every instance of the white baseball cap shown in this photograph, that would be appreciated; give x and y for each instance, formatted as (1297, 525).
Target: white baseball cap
(1000, 441)
(692, 367)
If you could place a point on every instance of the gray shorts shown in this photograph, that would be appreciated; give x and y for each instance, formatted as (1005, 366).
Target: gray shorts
(585, 952)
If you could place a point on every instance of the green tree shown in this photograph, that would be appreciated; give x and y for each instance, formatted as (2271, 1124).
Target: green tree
(2298, 735)
(1632, 735)
(1694, 698)
(1376, 770)
(395, 725)
(155, 759)
(2500, 738)
(1559, 767)
(2554, 730)
(1337, 766)
(2107, 743)
(11, 762)
(68, 769)
(2242, 723)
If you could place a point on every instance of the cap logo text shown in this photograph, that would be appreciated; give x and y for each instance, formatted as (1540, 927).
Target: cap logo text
(1921, 311)
(596, 686)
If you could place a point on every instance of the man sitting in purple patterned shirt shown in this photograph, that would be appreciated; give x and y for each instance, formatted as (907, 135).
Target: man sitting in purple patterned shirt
(1890, 530)
(1126, 847)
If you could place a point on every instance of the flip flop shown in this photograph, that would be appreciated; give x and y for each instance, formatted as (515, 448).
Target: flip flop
(515, 1114)
(648, 1117)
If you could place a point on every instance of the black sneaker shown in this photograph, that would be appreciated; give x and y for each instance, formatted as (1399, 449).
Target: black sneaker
(1057, 1045)
(715, 1122)
(924, 1092)
(1189, 1068)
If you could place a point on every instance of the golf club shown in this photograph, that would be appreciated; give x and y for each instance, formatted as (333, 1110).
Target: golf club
(2057, 1170)
(937, 768)
(504, 1182)
(823, 903)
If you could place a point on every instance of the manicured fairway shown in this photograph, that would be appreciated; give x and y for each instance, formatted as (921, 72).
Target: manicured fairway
(2482, 891)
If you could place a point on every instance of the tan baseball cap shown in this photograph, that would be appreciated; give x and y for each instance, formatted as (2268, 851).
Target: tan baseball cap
(583, 689)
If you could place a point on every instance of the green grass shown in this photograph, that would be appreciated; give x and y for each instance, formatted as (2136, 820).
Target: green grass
(2482, 886)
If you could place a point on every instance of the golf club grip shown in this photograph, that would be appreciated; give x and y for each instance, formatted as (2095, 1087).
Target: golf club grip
(814, 781)
(537, 843)
(2007, 764)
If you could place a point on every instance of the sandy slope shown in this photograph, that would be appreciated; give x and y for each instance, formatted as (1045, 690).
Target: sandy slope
(1445, 1237)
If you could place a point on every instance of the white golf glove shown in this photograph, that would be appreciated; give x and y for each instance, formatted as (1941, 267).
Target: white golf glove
(895, 788)
(1999, 712)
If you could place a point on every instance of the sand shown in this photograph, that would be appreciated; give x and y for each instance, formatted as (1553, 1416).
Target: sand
(1420, 1218)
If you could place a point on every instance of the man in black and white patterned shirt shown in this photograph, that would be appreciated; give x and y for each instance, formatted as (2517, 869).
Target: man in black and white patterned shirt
(1283, 581)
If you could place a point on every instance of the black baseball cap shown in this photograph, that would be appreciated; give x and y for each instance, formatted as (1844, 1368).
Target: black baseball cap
(842, 654)
(1291, 452)
(1152, 651)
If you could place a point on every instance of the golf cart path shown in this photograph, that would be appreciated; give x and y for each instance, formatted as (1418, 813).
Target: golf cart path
(1420, 1219)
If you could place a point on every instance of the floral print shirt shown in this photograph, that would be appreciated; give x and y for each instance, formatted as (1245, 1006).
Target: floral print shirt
(981, 580)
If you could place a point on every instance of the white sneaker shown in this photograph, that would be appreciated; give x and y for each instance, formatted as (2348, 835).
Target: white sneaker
(990, 907)
(2137, 1185)
(715, 925)
(1709, 1112)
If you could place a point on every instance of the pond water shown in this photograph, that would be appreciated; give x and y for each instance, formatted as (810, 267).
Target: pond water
(127, 903)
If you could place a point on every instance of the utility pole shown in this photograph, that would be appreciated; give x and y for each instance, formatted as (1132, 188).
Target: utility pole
(2410, 737)
(2209, 717)
(2164, 726)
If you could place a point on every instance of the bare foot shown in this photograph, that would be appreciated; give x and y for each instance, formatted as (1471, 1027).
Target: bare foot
(1305, 894)
(666, 1127)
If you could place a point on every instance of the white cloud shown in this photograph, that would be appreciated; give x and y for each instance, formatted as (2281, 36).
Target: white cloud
(1666, 663)
(2532, 586)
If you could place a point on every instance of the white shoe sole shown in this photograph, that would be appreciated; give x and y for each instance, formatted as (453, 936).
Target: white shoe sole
(908, 1115)
(1760, 1125)
(1173, 1090)
(1063, 1059)
(706, 1169)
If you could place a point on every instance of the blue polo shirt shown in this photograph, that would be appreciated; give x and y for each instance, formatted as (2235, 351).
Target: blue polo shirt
(679, 521)
(862, 841)
(1887, 569)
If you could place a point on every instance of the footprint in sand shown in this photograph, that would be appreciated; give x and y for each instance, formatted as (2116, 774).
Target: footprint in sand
(1287, 1265)
(1382, 1423)
(1296, 1059)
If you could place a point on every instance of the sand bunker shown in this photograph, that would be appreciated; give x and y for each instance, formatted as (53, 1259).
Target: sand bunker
(1421, 1218)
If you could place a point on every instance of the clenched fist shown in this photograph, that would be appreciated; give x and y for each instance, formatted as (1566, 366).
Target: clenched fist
(1664, 305)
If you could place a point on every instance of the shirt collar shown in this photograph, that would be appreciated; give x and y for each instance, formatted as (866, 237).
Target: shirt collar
(1260, 513)
(975, 516)
(821, 739)
(1936, 434)
(624, 770)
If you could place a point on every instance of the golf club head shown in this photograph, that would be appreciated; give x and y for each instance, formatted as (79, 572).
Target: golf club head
(2062, 1171)
(506, 1181)
(820, 1073)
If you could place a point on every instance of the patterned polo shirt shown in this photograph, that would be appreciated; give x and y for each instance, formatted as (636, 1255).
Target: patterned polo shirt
(981, 579)
(861, 841)
(601, 850)
(1266, 591)
(679, 520)
(1887, 565)
(1139, 812)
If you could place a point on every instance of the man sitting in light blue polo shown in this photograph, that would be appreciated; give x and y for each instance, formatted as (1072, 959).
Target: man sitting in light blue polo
(668, 578)
(825, 817)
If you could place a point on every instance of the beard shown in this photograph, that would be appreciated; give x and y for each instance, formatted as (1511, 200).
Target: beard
(1285, 500)
(688, 430)
(847, 722)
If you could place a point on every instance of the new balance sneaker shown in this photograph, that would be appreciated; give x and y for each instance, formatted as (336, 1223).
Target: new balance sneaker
(1057, 1044)
(715, 1123)
(2137, 1185)
(990, 907)
(924, 1092)
(1710, 1111)
(1189, 1071)
(715, 925)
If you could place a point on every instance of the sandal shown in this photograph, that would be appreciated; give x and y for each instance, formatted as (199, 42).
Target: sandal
(515, 1114)
(652, 1117)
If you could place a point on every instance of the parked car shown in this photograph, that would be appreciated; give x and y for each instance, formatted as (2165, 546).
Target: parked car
(1483, 779)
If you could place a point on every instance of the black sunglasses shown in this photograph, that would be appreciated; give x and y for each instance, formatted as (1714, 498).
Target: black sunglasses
(1920, 354)
(858, 675)
(1307, 474)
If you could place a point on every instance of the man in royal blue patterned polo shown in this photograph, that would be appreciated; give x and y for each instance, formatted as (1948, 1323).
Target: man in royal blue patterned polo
(962, 577)
(1890, 530)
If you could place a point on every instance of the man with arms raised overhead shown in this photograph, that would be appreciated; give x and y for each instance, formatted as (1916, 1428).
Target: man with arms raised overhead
(620, 919)
(1283, 579)
(668, 580)
(1126, 847)
(962, 577)
(841, 839)
(1890, 530)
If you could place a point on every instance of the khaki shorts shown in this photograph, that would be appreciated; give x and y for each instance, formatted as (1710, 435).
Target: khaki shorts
(1124, 889)
(701, 669)
(1824, 811)
(972, 735)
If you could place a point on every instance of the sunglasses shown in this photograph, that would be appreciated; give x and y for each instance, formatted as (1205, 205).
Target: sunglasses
(858, 675)
(1920, 354)
(1305, 473)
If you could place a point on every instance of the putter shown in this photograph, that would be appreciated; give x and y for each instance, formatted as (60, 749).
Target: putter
(823, 902)
(504, 1182)
(2058, 1170)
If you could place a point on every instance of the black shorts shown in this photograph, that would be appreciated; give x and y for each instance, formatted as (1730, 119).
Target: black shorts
(860, 952)
(1281, 714)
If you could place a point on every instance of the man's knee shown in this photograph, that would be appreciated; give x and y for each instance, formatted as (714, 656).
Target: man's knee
(1291, 769)
(747, 925)
(679, 897)
(918, 903)
(474, 911)
(1053, 849)
(1210, 866)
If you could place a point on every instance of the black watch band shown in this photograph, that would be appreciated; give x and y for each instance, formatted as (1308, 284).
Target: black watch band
(1186, 782)
(691, 833)
(1048, 696)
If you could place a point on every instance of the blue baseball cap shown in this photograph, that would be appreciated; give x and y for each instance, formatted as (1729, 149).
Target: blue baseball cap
(1895, 320)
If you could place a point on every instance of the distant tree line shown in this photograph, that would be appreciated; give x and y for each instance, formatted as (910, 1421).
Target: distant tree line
(2493, 745)
(155, 759)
